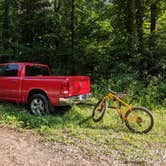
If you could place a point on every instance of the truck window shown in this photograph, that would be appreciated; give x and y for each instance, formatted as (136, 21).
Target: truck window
(37, 71)
(9, 70)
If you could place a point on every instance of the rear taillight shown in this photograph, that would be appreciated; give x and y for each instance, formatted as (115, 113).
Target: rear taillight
(65, 88)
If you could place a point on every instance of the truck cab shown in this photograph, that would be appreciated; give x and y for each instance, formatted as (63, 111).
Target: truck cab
(32, 84)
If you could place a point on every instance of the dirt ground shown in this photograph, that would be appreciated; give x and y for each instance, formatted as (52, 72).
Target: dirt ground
(25, 148)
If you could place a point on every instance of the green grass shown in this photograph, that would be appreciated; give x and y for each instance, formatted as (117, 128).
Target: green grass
(106, 137)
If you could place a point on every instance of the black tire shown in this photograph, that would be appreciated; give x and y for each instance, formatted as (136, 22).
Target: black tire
(39, 104)
(133, 124)
(102, 110)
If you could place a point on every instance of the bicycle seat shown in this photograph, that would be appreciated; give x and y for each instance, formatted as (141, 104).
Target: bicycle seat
(118, 94)
(121, 95)
(112, 91)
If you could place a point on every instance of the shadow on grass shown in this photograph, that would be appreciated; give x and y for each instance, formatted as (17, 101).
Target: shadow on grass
(84, 120)
(63, 117)
(61, 110)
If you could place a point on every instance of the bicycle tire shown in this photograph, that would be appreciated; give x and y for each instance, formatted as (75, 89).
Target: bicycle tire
(139, 120)
(102, 110)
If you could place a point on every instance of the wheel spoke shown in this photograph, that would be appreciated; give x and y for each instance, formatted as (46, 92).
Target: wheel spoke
(139, 120)
(35, 101)
(99, 110)
(37, 106)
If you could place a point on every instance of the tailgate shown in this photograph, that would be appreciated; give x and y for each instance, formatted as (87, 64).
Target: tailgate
(79, 85)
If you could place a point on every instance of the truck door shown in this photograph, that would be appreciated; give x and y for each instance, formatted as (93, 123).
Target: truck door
(9, 82)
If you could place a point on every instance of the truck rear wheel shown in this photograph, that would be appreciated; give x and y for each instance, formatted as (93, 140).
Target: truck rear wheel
(39, 104)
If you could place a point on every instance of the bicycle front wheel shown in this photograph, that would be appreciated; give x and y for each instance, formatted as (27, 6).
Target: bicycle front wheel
(139, 120)
(99, 110)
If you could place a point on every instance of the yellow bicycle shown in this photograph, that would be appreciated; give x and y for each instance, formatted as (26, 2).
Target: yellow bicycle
(137, 119)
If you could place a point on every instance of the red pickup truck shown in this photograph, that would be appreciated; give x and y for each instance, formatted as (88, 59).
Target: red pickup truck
(32, 84)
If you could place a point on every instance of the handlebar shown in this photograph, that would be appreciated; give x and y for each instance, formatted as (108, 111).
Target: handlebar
(112, 91)
(119, 94)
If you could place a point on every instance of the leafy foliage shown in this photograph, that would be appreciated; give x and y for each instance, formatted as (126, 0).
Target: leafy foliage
(106, 39)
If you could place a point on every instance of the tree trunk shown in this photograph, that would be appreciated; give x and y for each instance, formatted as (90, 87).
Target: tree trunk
(5, 25)
(153, 26)
(73, 61)
(72, 24)
(154, 15)
(28, 6)
(130, 25)
(139, 24)
(56, 5)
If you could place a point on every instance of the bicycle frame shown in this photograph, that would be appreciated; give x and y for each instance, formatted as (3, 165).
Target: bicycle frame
(140, 117)
(122, 112)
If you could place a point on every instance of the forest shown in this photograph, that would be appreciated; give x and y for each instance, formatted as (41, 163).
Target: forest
(121, 45)
(117, 42)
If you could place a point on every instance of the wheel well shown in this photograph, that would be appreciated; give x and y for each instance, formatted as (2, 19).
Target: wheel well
(36, 91)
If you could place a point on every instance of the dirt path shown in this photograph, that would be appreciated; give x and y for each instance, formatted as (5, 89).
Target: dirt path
(25, 148)
(17, 148)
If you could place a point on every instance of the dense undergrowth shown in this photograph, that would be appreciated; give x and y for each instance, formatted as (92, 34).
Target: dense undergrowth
(74, 126)
(150, 93)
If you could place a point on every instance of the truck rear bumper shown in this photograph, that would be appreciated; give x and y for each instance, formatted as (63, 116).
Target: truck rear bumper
(74, 99)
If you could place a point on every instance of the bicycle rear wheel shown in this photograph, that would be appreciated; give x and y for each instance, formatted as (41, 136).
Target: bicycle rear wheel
(99, 110)
(139, 120)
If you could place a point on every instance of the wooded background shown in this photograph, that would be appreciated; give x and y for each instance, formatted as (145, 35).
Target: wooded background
(105, 39)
